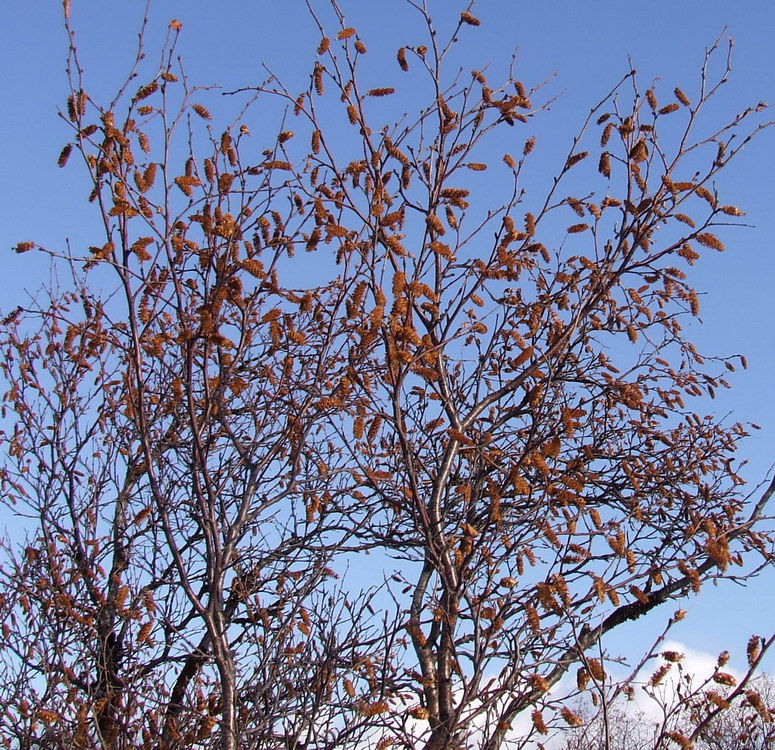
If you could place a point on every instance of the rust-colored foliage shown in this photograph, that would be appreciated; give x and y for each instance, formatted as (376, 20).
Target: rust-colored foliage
(209, 440)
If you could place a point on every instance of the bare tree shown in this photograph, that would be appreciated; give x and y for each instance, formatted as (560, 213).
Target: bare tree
(746, 724)
(487, 390)
(683, 711)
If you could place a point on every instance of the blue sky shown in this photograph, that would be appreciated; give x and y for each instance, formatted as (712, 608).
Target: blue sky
(584, 45)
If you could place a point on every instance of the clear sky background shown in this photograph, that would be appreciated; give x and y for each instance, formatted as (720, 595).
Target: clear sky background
(586, 44)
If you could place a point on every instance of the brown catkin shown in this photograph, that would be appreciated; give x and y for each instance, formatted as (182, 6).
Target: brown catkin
(682, 97)
(710, 240)
(64, 155)
(595, 668)
(659, 675)
(604, 167)
(686, 220)
(571, 719)
(149, 176)
(145, 91)
(575, 159)
(434, 223)
(706, 195)
(401, 57)
(607, 130)
(538, 722)
(753, 649)
(639, 152)
(533, 619)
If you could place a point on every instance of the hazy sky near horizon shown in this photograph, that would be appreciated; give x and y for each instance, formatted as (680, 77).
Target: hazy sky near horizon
(583, 47)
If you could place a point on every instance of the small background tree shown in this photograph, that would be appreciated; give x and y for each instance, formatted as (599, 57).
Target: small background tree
(680, 708)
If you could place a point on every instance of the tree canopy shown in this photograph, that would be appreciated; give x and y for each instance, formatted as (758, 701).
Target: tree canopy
(339, 435)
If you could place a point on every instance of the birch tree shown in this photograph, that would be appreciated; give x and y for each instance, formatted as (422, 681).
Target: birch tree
(482, 394)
